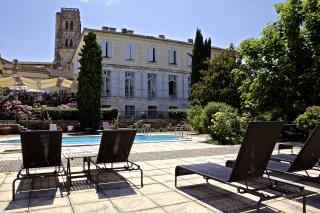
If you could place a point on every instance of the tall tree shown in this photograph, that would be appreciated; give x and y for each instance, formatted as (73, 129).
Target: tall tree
(217, 83)
(197, 57)
(89, 83)
(283, 62)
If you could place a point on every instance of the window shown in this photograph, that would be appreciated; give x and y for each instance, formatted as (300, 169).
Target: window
(152, 111)
(71, 25)
(152, 85)
(172, 86)
(129, 84)
(189, 59)
(106, 87)
(71, 43)
(172, 54)
(173, 107)
(108, 49)
(129, 111)
(66, 43)
(129, 51)
(67, 25)
(151, 54)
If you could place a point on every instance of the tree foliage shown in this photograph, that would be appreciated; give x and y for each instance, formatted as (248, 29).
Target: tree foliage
(284, 62)
(201, 53)
(217, 82)
(89, 83)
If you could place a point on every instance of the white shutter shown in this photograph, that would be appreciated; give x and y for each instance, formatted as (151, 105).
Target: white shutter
(166, 86)
(179, 85)
(186, 87)
(145, 84)
(103, 48)
(189, 59)
(109, 49)
(133, 51)
(149, 53)
(170, 56)
(122, 83)
(126, 51)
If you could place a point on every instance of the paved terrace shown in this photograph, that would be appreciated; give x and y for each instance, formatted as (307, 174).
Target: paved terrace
(158, 161)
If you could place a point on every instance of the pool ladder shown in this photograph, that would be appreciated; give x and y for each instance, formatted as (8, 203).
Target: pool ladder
(182, 130)
(146, 129)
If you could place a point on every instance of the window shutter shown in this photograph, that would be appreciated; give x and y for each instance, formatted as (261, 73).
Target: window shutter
(170, 56)
(103, 48)
(109, 49)
(126, 51)
(149, 53)
(133, 51)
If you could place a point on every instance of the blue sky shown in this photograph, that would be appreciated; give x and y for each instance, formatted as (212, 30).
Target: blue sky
(28, 26)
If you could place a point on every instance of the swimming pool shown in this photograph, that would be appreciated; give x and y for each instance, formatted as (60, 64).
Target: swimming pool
(95, 139)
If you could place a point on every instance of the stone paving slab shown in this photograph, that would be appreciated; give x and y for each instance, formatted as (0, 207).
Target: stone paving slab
(159, 193)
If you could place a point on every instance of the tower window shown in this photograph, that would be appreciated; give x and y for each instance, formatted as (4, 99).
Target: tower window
(67, 25)
(71, 25)
(66, 43)
(71, 42)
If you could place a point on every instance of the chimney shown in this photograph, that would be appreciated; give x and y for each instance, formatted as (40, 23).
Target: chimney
(112, 29)
(15, 63)
(190, 40)
(104, 28)
(162, 36)
(124, 30)
(130, 32)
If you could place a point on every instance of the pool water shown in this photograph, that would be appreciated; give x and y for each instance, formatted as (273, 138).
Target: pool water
(95, 139)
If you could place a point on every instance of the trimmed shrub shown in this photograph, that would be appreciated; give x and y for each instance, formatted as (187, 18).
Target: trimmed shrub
(211, 109)
(109, 113)
(194, 118)
(61, 114)
(178, 113)
(309, 119)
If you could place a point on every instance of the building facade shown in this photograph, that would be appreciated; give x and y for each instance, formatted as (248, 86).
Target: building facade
(67, 35)
(143, 76)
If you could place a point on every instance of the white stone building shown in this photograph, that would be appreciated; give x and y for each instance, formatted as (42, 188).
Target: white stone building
(143, 76)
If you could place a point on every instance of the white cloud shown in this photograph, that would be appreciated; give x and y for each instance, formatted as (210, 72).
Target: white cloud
(107, 2)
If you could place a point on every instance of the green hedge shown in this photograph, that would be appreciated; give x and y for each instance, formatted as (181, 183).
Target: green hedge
(61, 114)
(109, 113)
(178, 113)
(73, 114)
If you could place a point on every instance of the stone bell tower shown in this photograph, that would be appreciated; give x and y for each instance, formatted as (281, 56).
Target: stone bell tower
(67, 36)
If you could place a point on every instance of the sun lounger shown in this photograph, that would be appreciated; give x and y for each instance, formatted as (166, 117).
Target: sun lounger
(106, 125)
(306, 159)
(251, 163)
(291, 137)
(115, 147)
(39, 149)
(53, 127)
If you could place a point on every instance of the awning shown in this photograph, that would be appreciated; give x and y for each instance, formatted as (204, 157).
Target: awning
(67, 83)
(48, 83)
(7, 81)
(29, 82)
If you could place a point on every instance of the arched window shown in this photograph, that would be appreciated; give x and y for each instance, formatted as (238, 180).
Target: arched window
(71, 43)
(66, 43)
(67, 25)
(172, 86)
(71, 25)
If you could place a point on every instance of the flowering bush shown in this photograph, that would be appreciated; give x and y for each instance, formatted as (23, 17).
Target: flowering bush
(68, 106)
(18, 110)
